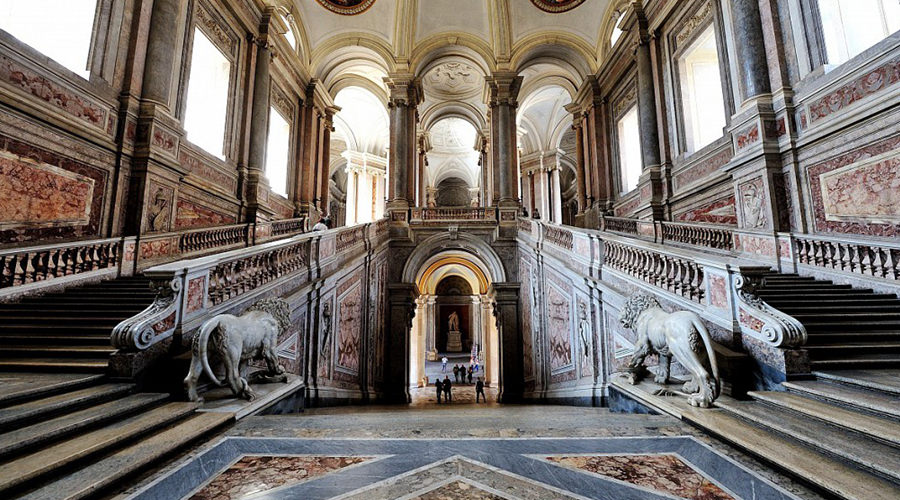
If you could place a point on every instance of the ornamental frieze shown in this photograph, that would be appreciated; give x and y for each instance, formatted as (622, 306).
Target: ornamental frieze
(556, 6)
(347, 7)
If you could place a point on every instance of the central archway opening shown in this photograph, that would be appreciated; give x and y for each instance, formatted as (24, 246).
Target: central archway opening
(453, 322)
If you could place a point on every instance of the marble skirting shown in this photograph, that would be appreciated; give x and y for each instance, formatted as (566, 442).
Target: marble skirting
(618, 468)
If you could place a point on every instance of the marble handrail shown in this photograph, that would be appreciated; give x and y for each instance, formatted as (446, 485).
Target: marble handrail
(879, 260)
(190, 291)
(701, 235)
(23, 266)
(479, 214)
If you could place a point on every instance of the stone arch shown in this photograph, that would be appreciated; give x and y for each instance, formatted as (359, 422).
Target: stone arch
(442, 242)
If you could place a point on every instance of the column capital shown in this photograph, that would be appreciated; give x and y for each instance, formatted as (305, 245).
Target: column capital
(502, 88)
(404, 90)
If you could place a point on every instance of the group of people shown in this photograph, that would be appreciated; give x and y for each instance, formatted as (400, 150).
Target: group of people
(445, 388)
(461, 373)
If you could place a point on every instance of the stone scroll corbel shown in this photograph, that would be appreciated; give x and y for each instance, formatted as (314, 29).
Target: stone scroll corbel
(760, 320)
(155, 323)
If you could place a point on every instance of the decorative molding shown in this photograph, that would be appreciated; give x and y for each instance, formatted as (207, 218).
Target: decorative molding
(347, 7)
(156, 322)
(696, 21)
(220, 34)
(556, 6)
(760, 320)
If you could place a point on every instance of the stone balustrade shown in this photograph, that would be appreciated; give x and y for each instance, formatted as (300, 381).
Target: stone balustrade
(699, 235)
(198, 240)
(19, 267)
(680, 276)
(619, 225)
(191, 291)
(288, 227)
(478, 214)
(558, 236)
(879, 260)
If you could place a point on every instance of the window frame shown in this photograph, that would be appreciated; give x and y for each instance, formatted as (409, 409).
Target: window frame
(812, 39)
(676, 51)
(284, 103)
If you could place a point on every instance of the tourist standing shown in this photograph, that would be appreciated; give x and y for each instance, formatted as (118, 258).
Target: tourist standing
(456, 373)
(448, 397)
(471, 370)
(439, 387)
(479, 391)
(444, 364)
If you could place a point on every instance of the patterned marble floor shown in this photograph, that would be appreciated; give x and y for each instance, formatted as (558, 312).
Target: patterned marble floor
(466, 451)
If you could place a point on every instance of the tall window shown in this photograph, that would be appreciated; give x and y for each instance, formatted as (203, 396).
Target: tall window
(701, 91)
(629, 136)
(851, 26)
(277, 152)
(617, 30)
(207, 96)
(59, 29)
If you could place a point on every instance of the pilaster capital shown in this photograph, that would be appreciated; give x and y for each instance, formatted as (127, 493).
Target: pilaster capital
(404, 90)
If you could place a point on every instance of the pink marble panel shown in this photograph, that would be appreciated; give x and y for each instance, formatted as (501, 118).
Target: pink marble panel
(559, 322)
(750, 321)
(458, 490)
(719, 211)
(718, 291)
(867, 191)
(195, 294)
(664, 473)
(190, 214)
(202, 170)
(759, 245)
(349, 326)
(256, 474)
(702, 169)
(748, 137)
(873, 82)
(38, 194)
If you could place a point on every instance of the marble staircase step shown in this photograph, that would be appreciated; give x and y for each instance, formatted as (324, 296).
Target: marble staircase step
(854, 310)
(844, 316)
(41, 385)
(80, 311)
(865, 453)
(839, 301)
(92, 479)
(43, 408)
(833, 476)
(841, 348)
(64, 351)
(88, 319)
(7, 339)
(874, 360)
(89, 365)
(21, 440)
(17, 473)
(876, 403)
(73, 298)
(806, 296)
(819, 338)
(830, 326)
(802, 285)
(74, 329)
(876, 428)
(887, 380)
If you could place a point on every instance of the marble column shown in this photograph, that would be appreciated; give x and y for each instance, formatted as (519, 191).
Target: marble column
(579, 172)
(378, 209)
(405, 96)
(163, 44)
(506, 316)
(429, 323)
(259, 130)
(543, 190)
(646, 97)
(324, 170)
(310, 157)
(352, 195)
(417, 347)
(402, 308)
(503, 90)
(422, 166)
(490, 357)
(751, 48)
(556, 194)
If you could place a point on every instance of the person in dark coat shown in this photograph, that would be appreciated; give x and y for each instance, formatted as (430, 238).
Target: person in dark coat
(479, 391)
(440, 388)
(456, 373)
(448, 397)
(470, 373)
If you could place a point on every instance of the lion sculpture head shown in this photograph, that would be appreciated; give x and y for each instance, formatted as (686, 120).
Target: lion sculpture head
(279, 310)
(633, 308)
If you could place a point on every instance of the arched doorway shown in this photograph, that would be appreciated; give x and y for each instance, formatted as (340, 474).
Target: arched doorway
(453, 284)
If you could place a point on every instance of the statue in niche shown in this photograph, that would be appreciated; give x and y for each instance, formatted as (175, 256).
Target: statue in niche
(453, 322)
(585, 332)
(236, 340)
(680, 334)
(326, 328)
(754, 210)
(158, 215)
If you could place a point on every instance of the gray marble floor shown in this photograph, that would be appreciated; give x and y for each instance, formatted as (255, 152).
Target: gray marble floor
(515, 452)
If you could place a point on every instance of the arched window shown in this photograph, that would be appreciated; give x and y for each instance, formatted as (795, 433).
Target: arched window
(278, 150)
(618, 17)
(851, 26)
(207, 96)
(59, 29)
(289, 34)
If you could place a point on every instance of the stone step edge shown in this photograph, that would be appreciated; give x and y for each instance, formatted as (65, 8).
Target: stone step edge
(65, 401)
(794, 459)
(70, 385)
(775, 426)
(17, 473)
(800, 462)
(832, 415)
(132, 459)
(857, 383)
(833, 398)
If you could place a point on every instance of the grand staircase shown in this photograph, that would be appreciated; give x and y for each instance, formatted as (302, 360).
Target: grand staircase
(66, 430)
(68, 331)
(840, 429)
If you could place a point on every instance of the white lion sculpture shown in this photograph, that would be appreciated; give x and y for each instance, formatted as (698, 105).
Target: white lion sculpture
(680, 334)
(236, 340)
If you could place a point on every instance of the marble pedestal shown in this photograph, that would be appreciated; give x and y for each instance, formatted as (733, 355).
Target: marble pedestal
(454, 341)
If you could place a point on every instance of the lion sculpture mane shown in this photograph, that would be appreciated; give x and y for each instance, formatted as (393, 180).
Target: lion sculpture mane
(680, 334)
(236, 340)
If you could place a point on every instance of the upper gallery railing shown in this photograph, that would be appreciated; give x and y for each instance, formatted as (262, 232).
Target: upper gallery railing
(190, 291)
(448, 214)
(30, 269)
(698, 235)
(878, 260)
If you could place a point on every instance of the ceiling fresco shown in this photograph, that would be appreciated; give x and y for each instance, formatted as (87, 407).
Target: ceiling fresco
(557, 6)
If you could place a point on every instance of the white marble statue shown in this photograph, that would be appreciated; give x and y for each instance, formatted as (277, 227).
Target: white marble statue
(236, 340)
(454, 322)
(680, 334)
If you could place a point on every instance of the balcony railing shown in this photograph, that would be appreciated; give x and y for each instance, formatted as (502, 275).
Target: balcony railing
(479, 214)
